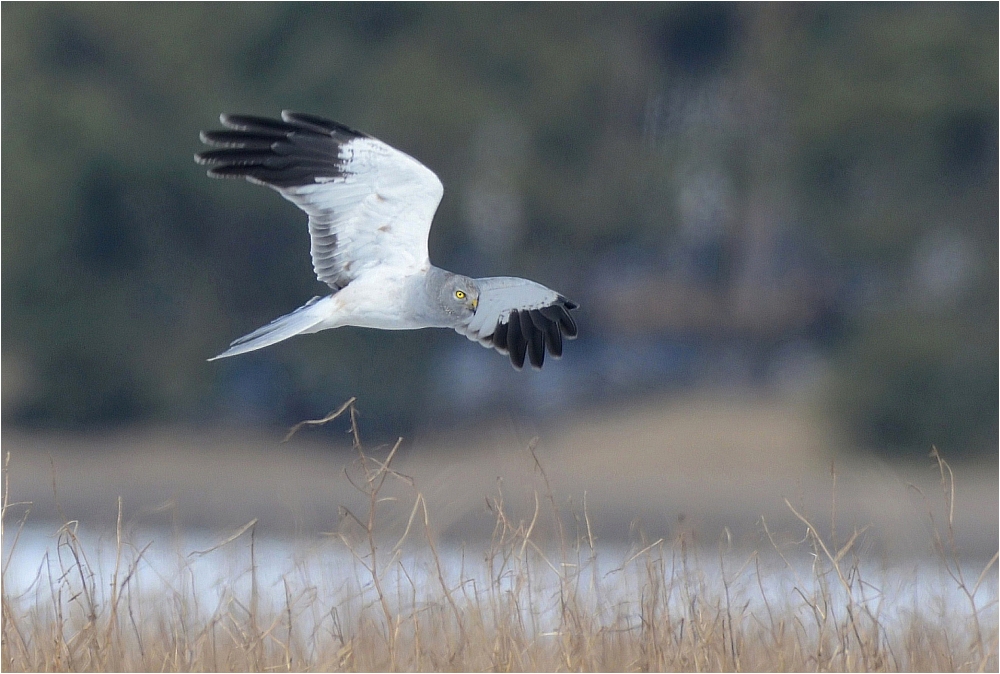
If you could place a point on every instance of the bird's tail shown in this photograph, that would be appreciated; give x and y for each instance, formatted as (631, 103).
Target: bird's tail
(299, 321)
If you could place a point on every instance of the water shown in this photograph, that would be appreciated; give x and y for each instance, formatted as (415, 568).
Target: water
(315, 578)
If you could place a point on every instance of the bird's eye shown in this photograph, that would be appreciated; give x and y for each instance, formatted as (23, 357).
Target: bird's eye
(460, 294)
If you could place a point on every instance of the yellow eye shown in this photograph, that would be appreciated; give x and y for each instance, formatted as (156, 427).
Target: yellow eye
(460, 294)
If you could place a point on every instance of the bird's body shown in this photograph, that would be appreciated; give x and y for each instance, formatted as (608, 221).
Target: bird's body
(370, 209)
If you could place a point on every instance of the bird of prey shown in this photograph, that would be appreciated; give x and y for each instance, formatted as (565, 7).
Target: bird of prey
(370, 208)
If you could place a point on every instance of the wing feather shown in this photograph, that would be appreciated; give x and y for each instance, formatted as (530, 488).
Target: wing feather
(534, 337)
(369, 205)
(520, 318)
(499, 337)
(553, 339)
(516, 343)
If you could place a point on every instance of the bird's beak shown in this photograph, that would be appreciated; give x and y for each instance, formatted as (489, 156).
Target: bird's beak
(475, 303)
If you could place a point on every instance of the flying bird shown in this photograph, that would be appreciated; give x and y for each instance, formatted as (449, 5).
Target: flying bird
(370, 209)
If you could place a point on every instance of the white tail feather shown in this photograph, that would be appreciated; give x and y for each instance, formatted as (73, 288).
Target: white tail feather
(299, 321)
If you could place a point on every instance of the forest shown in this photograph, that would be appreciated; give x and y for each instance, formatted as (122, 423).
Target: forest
(801, 198)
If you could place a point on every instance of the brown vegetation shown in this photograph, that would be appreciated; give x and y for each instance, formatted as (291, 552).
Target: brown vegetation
(542, 601)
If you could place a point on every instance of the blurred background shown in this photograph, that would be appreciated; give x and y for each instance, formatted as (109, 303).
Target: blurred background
(792, 202)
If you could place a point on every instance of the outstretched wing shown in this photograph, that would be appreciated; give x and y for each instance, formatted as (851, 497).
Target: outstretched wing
(369, 205)
(520, 317)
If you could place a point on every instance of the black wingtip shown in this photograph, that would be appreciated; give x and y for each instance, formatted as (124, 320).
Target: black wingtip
(516, 343)
(295, 150)
(534, 339)
(530, 333)
(320, 124)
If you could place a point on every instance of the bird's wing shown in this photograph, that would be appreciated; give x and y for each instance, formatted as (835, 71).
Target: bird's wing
(520, 317)
(369, 205)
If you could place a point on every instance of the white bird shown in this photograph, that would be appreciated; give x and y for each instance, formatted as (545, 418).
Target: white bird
(370, 209)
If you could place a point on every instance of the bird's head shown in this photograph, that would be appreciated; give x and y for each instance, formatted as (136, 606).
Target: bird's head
(461, 295)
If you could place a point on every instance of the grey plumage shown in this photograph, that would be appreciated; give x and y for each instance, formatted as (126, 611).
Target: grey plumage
(370, 209)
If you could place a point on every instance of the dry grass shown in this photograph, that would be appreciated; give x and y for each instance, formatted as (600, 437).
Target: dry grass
(542, 597)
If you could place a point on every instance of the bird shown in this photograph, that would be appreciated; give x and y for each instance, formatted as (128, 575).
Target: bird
(370, 209)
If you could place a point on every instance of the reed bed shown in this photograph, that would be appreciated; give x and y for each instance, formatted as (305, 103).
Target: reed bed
(542, 596)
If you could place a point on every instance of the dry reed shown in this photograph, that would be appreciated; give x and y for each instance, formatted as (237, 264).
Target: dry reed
(536, 602)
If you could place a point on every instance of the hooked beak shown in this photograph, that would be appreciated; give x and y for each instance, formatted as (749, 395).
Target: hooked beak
(475, 303)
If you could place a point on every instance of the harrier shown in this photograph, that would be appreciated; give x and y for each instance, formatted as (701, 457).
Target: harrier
(370, 209)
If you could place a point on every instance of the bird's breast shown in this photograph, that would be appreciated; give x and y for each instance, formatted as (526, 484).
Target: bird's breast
(383, 301)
